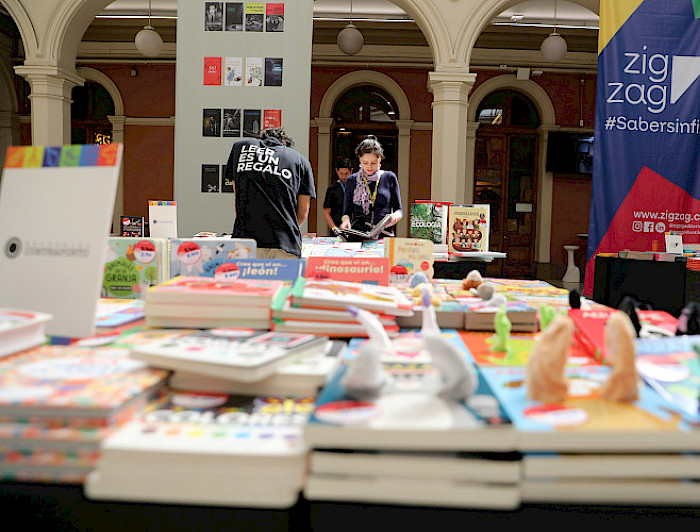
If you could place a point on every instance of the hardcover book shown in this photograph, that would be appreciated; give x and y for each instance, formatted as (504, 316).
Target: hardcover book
(203, 256)
(325, 293)
(405, 416)
(372, 270)
(75, 385)
(429, 221)
(287, 270)
(586, 422)
(479, 315)
(238, 354)
(208, 290)
(21, 329)
(131, 226)
(133, 265)
(408, 256)
(468, 227)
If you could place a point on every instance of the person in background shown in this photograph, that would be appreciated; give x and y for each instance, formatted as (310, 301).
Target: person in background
(273, 186)
(371, 193)
(334, 202)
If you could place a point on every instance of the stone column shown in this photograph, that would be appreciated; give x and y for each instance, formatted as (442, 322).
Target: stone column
(402, 171)
(51, 99)
(450, 91)
(543, 227)
(471, 158)
(323, 177)
(9, 133)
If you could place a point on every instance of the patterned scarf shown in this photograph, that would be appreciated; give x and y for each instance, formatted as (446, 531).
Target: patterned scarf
(361, 194)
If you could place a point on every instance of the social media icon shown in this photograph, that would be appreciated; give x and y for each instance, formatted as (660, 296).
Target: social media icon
(637, 226)
(660, 227)
(648, 227)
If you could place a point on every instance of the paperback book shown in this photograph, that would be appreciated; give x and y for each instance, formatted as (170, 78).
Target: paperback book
(408, 256)
(238, 354)
(131, 226)
(468, 227)
(429, 221)
(375, 232)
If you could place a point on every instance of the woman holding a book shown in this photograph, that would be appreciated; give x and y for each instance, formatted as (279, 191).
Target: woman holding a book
(371, 194)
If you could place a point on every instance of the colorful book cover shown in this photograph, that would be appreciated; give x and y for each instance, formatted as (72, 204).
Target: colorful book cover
(234, 16)
(272, 118)
(585, 421)
(134, 264)
(201, 256)
(218, 424)
(273, 71)
(479, 315)
(192, 289)
(429, 221)
(74, 383)
(408, 256)
(212, 71)
(116, 312)
(369, 270)
(287, 270)
(671, 365)
(233, 73)
(254, 71)
(131, 226)
(232, 123)
(254, 16)
(274, 17)
(326, 293)
(468, 227)
(407, 414)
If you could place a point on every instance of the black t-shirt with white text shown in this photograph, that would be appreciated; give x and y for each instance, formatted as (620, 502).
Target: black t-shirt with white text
(268, 178)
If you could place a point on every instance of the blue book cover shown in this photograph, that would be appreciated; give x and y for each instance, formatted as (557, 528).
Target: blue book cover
(587, 422)
(288, 270)
(192, 256)
(407, 414)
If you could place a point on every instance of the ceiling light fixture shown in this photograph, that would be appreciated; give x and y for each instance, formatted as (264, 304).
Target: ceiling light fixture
(554, 47)
(148, 41)
(350, 40)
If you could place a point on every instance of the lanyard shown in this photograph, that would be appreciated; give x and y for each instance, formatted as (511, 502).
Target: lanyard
(372, 195)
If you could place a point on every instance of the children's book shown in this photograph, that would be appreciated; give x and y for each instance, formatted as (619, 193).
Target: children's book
(21, 329)
(324, 293)
(204, 256)
(479, 315)
(333, 329)
(586, 422)
(90, 386)
(405, 416)
(117, 312)
(134, 264)
(670, 365)
(468, 227)
(132, 226)
(287, 270)
(302, 376)
(449, 314)
(239, 354)
(429, 221)
(209, 290)
(370, 270)
(408, 256)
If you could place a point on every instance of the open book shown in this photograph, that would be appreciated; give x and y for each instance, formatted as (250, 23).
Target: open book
(373, 234)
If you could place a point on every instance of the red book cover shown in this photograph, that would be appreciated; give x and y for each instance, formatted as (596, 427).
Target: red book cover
(274, 9)
(272, 118)
(212, 71)
(190, 289)
(363, 270)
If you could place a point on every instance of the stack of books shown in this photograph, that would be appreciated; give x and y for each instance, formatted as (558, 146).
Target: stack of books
(449, 313)
(59, 402)
(206, 302)
(409, 446)
(21, 329)
(207, 449)
(240, 360)
(320, 307)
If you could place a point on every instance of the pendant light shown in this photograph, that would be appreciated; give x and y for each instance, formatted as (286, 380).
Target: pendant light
(350, 39)
(554, 47)
(148, 41)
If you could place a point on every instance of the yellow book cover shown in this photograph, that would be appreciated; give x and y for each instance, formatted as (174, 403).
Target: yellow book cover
(407, 256)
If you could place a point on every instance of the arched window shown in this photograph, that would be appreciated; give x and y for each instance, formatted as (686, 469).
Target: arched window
(361, 111)
(91, 107)
(508, 109)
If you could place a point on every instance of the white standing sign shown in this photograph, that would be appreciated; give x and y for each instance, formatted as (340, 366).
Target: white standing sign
(56, 206)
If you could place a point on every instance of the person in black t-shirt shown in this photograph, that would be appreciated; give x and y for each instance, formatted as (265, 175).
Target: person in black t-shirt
(273, 186)
(335, 196)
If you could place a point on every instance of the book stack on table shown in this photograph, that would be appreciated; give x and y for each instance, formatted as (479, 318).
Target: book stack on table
(320, 306)
(207, 302)
(408, 446)
(207, 449)
(58, 402)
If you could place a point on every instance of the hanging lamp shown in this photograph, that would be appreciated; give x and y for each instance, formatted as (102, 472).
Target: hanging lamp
(554, 47)
(148, 41)
(350, 39)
